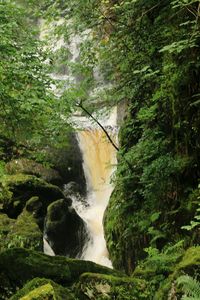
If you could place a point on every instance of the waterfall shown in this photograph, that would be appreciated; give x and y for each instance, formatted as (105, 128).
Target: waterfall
(99, 160)
(99, 156)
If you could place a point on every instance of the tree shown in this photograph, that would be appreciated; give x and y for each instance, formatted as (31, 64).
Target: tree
(29, 110)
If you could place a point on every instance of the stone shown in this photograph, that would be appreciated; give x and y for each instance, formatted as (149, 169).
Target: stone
(72, 188)
(18, 189)
(41, 288)
(68, 161)
(30, 167)
(64, 229)
(6, 225)
(19, 265)
(100, 286)
(23, 232)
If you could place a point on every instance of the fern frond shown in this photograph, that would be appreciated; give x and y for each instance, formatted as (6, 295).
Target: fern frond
(190, 286)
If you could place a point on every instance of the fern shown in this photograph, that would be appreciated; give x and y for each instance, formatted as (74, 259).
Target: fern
(190, 287)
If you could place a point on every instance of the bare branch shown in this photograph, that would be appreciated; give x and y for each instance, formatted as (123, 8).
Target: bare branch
(101, 126)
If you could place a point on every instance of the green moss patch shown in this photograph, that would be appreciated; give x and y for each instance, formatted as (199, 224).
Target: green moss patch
(21, 265)
(37, 288)
(101, 286)
(20, 188)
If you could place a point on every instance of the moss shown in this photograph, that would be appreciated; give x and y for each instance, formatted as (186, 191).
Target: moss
(34, 205)
(23, 232)
(22, 187)
(189, 264)
(43, 292)
(32, 286)
(6, 225)
(27, 166)
(21, 265)
(26, 233)
(100, 286)
(122, 237)
(65, 229)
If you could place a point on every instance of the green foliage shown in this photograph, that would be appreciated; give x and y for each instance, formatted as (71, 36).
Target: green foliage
(30, 113)
(190, 287)
(163, 261)
(2, 168)
(194, 223)
(152, 54)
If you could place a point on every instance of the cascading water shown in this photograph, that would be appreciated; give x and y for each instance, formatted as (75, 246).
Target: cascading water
(99, 160)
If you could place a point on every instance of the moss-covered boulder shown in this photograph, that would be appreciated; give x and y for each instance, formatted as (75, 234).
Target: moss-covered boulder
(120, 236)
(18, 266)
(34, 206)
(30, 167)
(26, 233)
(6, 225)
(20, 188)
(64, 229)
(41, 288)
(23, 232)
(99, 286)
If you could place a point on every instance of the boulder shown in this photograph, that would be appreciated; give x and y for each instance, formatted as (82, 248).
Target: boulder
(100, 286)
(23, 232)
(41, 288)
(18, 189)
(26, 233)
(19, 265)
(64, 229)
(6, 225)
(28, 166)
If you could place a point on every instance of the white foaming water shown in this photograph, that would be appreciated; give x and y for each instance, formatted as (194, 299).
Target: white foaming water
(47, 248)
(99, 160)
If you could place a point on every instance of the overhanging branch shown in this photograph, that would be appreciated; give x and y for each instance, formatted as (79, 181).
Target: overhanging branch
(100, 125)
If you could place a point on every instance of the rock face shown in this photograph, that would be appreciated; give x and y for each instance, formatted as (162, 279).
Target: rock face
(30, 167)
(23, 232)
(18, 189)
(68, 161)
(27, 274)
(41, 288)
(65, 230)
(18, 266)
(29, 200)
(100, 286)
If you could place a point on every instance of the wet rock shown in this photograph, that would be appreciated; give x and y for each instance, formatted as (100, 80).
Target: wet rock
(18, 189)
(18, 266)
(101, 286)
(68, 161)
(64, 229)
(23, 232)
(27, 166)
(41, 288)
(6, 225)
(26, 233)
(72, 188)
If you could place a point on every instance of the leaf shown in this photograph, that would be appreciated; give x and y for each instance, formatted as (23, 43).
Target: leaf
(154, 217)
